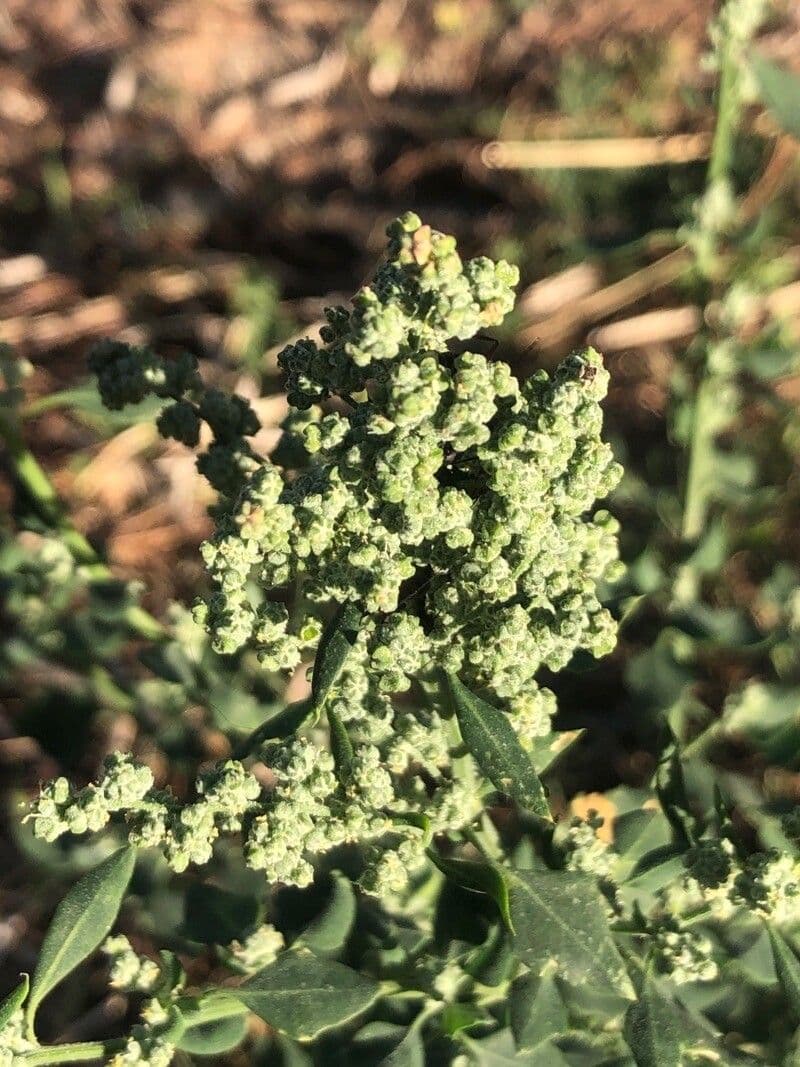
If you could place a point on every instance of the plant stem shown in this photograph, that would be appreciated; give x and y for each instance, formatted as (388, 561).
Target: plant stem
(698, 477)
(82, 1052)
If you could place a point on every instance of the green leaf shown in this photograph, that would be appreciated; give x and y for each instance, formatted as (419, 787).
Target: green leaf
(660, 1030)
(410, 1052)
(787, 966)
(334, 648)
(536, 1009)
(303, 995)
(490, 737)
(282, 723)
(561, 916)
(82, 920)
(499, 1051)
(478, 877)
(780, 91)
(546, 752)
(341, 747)
(14, 1001)
(213, 1038)
(215, 916)
(457, 1017)
(327, 934)
(492, 962)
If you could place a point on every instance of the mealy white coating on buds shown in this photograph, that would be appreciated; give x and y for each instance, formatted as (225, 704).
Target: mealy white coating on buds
(130, 972)
(284, 829)
(144, 1049)
(685, 955)
(449, 502)
(257, 950)
(13, 1040)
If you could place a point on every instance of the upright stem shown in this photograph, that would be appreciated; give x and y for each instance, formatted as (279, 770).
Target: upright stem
(698, 476)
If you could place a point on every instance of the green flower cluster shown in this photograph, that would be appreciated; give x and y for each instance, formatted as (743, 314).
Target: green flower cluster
(144, 1049)
(305, 814)
(442, 496)
(128, 374)
(685, 955)
(130, 972)
(448, 502)
(766, 884)
(13, 1040)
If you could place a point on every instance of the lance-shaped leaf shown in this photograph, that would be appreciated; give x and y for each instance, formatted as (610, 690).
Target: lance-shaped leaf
(303, 995)
(787, 966)
(537, 1010)
(341, 747)
(490, 737)
(81, 922)
(408, 1052)
(660, 1030)
(327, 933)
(14, 1001)
(334, 648)
(780, 91)
(546, 752)
(561, 916)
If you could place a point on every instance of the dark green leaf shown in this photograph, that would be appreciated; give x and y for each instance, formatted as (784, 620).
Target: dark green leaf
(561, 916)
(334, 648)
(210, 1039)
(82, 920)
(660, 1030)
(499, 1051)
(303, 995)
(492, 962)
(170, 662)
(410, 1052)
(282, 723)
(479, 877)
(536, 1009)
(780, 91)
(327, 933)
(341, 747)
(14, 1001)
(457, 1017)
(546, 752)
(216, 917)
(787, 966)
(490, 737)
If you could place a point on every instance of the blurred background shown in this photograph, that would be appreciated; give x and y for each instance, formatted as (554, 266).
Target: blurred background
(210, 174)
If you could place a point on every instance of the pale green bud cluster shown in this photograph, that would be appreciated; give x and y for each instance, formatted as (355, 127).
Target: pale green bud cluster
(127, 375)
(685, 955)
(586, 851)
(144, 1049)
(130, 972)
(766, 884)
(445, 498)
(258, 950)
(305, 814)
(60, 810)
(13, 1042)
(450, 503)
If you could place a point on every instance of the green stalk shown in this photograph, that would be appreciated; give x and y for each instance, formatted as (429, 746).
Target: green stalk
(698, 475)
(82, 1052)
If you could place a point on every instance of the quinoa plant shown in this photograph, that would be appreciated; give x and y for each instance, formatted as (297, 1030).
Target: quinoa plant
(378, 871)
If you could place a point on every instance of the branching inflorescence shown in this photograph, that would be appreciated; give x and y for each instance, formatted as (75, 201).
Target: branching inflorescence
(447, 504)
